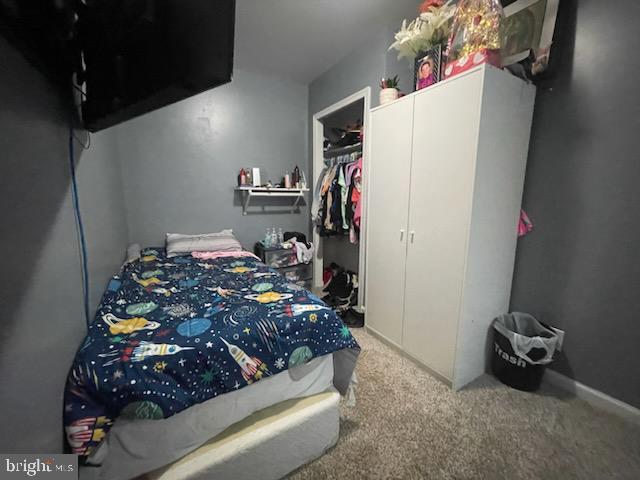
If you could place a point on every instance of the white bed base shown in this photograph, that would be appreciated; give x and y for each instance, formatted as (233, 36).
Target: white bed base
(266, 445)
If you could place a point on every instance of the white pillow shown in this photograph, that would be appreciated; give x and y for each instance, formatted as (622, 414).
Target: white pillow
(224, 241)
(133, 253)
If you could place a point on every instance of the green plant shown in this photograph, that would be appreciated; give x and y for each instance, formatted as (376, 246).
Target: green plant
(389, 82)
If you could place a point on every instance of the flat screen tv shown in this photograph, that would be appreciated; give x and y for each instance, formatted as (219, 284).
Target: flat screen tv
(125, 57)
(140, 55)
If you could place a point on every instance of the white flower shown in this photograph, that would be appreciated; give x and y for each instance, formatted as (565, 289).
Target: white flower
(425, 32)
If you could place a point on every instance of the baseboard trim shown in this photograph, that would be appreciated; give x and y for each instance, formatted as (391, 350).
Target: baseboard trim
(594, 397)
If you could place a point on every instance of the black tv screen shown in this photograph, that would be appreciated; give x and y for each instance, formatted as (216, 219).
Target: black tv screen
(41, 31)
(140, 55)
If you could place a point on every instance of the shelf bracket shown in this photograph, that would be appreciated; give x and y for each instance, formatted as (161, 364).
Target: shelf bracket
(247, 193)
(296, 203)
(245, 204)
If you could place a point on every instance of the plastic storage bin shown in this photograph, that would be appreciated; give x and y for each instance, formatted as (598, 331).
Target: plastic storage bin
(276, 257)
(297, 273)
(286, 262)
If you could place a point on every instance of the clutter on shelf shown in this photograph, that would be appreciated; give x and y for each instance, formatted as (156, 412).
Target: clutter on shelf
(475, 36)
(295, 242)
(448, 38)
(251, 178)
(290, 253)
(349, 136)
(271, 238)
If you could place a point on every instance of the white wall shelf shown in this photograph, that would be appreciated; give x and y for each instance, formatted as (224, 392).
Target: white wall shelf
(274, 192)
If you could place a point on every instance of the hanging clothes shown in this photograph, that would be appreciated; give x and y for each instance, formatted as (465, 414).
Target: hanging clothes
(342, 183)
(317, 198)
(356, 199)
(323, 221)
(337, 204)
(525, 225)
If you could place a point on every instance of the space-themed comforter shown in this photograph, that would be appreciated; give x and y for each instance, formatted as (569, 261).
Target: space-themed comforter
(171, 333)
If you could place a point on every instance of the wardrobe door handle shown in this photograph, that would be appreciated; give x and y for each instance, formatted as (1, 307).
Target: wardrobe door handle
(413, 234)
(401, 235)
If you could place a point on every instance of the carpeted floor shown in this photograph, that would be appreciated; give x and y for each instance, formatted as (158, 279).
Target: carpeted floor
(407, 425)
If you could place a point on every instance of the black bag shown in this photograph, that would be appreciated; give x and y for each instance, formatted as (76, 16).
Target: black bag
(300, 237)
(342, 290)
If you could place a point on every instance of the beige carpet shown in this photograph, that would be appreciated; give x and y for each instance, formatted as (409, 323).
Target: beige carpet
(408, 425)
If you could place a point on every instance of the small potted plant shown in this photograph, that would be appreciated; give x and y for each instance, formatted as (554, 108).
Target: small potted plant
(389, 90)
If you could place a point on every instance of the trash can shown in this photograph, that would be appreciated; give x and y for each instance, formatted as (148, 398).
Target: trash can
(522, 347)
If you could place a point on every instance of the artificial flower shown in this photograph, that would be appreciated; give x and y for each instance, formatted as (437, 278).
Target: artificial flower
(425, 32)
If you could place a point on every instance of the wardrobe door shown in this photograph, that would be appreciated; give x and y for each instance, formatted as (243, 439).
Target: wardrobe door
(388, 181)
(446, 122)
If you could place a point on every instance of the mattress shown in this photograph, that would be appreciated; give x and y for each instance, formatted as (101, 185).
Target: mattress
(171, 334)
(267, 445)
(135, 447)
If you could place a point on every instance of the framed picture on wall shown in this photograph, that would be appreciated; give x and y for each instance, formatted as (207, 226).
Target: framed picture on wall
(427, 68)
(527, 32)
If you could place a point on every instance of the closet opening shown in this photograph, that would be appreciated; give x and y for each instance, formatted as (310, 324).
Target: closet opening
(339, 180)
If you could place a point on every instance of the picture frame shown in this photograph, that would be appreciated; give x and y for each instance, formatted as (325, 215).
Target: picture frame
(427, 68)
(528, 30)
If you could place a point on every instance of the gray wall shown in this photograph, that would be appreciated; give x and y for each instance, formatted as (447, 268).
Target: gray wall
(40, 286)
(103, 211)
(579, 269)
(365, 64)
(180, 163)
(362, 67)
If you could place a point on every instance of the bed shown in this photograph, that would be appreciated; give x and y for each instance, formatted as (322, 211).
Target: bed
(182, 348)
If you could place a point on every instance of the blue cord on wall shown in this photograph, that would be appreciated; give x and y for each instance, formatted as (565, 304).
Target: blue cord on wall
(80, 229)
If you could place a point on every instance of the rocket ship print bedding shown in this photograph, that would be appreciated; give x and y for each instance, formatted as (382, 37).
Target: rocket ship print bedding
(172, 333)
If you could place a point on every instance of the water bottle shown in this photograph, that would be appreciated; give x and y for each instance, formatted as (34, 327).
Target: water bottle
(274, 237)
(267, 239)
(280, 236)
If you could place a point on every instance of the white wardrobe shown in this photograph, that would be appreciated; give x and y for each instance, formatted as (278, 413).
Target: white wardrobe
(445, 179)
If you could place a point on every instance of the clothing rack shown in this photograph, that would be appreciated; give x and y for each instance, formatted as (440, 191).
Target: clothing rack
(342, 159)
(334, 151)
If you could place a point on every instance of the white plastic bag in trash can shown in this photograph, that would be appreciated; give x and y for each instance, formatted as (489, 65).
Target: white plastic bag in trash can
(525, 334)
